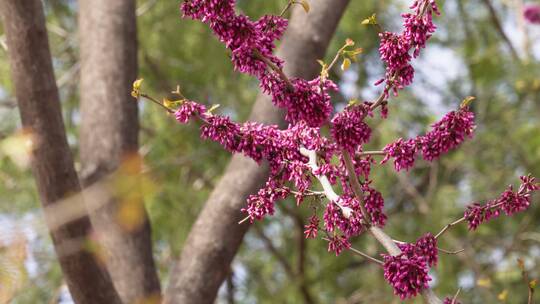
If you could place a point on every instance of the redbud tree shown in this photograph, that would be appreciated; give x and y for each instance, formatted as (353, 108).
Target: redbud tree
(322, 148)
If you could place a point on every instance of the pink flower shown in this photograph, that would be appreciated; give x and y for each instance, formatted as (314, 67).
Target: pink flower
(447, 133)
(188, 110)
(349, 129)
(509, 202)
(407, 275)
(337, 244)
(374, 204)
(532, 13)
(222, 130)
(312, 228)
(262, 203)
(403, 152)
(309, 101)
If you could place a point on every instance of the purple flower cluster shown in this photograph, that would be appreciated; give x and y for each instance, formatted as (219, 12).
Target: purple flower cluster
(445, 135)
(338, 243)
(349, 129)
(425, 247)
(346, 217)
(241, 35)
(374, 204)
(403, 152)
(408, 275)
(312, 229)
(308, 101)
(248, 41)
(189, 110)
(262, 203)
(408, 272)
(509, 202)
(394, 48)
(532, 13)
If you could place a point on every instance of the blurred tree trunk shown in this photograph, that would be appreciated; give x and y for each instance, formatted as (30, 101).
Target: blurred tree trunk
(216, 235)
(109, 144)
(52, 161)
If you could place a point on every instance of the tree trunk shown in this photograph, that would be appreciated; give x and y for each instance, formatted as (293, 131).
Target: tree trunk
(52, 162)
(216, 235)
(109, 144)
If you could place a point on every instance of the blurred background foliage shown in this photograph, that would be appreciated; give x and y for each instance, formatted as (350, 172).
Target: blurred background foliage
(494, 57)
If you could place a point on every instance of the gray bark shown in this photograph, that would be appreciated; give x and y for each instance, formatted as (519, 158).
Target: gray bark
(109, 137)
(216, 235)
(52, 161)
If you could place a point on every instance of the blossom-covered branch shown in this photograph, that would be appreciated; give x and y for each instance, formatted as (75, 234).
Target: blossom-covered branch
(300, 152)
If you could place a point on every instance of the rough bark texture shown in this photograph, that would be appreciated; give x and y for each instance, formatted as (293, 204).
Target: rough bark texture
(109, 137)
(52, 162)
(216, 235)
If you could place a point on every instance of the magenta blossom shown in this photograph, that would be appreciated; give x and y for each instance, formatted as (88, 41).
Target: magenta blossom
(338, 243)
(312, 228)
(407, 275)
(509, 202)
(426, 247)
(349, 129)
(447, 133)
(188, 110)
(532, 13)
(403, 152)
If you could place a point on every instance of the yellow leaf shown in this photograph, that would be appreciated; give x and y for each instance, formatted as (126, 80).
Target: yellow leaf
(213, 108)
(532, 284)
(346, 64)
(371, 20)
(321, 63)
(353, 102)
(484, 282)
(136, 92)
(503, 295)
(305, 5)
(137, 83)
(171, 104)
(467, 101)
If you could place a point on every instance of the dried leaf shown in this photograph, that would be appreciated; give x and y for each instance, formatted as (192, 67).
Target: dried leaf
(305, 5)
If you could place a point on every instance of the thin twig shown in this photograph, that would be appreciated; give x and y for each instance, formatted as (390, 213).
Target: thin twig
(365, 255)
(450, 252)
(449, 226)
(286, 8)
(454, 299)
(157, 102)
(357, 188)
(500, 29)
(372, 153)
